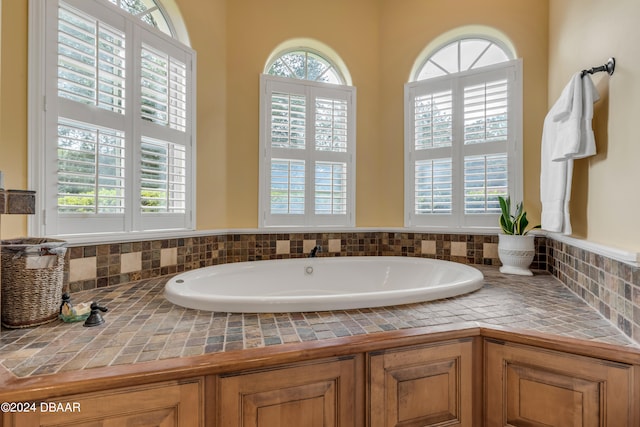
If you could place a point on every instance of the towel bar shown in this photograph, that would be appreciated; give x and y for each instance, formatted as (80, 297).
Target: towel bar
(609, 67)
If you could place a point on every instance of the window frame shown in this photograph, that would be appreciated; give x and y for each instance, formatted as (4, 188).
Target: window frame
(44, 115)
(309, 154)
(458, 219)
(307, 52)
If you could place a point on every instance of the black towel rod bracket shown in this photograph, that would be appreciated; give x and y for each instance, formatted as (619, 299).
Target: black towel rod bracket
(609, 67)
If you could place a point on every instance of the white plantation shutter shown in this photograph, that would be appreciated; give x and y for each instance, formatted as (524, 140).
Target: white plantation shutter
(163, 89)
(487, 129)
(331, 188)
(433, 138)
(462, 148)
(308, 140)
(433, 186)
(165, 160)
(91, 172)
(91, 60)
(162, 177)
(486, 112)
(331, 125)
(485, 178)
(288, 120)
(120, 105)
(433, 120)
(287, 195)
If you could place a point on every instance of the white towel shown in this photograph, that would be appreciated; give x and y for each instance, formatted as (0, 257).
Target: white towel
(585, 144)
(566, 135)
(562, 124)
(590, 95)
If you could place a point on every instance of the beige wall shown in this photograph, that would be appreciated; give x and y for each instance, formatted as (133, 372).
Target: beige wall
(408, 26)
(206, 23)
(378, 40)
(255, 28)
(13, 106)
(605, 196)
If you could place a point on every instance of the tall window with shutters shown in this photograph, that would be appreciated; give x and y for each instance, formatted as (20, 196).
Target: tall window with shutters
(463, 135)
(118, 123)
(307, 165)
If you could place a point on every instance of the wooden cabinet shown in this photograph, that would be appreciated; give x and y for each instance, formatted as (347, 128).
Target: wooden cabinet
(164, 404)
(472, 377)
(529, 386)
(424, 385)
(322, 393)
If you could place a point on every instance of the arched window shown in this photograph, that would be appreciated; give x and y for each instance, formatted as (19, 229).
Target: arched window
(307, 170)
(305, 65)
(149, 11)
(117, 131)
(463, 55)
(463, 132)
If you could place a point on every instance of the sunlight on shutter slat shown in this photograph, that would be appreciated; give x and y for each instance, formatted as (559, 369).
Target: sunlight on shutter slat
(433, 186)
(485, 178)
(91, 175)
(287, 191)
(162, 176)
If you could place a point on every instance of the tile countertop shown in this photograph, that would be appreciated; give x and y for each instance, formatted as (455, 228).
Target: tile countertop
(142, 326)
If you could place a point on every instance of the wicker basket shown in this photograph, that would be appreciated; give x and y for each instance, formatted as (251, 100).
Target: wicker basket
(32, 276)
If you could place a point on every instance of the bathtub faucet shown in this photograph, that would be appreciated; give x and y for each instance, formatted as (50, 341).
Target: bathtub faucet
(314, 251)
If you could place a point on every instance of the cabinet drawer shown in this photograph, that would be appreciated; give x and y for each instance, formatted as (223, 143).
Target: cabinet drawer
(163, 404)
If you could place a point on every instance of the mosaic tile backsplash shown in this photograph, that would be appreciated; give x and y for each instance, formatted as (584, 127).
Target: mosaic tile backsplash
(96, 266)
(609, 286)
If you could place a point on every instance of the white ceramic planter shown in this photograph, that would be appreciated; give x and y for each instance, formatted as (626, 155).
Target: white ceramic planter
(516, 253)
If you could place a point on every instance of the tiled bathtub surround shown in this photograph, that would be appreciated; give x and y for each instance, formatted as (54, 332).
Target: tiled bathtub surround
(609, 286)
(142, 326)
(96, 266)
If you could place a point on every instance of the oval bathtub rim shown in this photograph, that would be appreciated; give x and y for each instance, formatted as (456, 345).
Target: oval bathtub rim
(297, 303)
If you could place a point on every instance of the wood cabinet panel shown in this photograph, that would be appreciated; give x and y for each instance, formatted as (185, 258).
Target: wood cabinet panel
(322, 393)
(422, 385)
(164, 405)
(530, 387)
(408, 379)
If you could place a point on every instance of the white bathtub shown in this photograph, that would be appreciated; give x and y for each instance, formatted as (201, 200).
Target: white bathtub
(320, 284)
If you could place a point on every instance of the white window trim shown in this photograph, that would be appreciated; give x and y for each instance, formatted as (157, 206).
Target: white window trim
(458, 220)
(315, 46)
(37, 99)
(266, 219)
(460, 33)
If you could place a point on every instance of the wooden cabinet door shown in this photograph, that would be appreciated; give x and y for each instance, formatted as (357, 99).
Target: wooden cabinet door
(422, 386)
(163, 405)
(322, 393)
(528, 386)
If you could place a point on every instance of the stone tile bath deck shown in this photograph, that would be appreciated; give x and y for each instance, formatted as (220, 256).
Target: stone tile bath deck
(142, 326)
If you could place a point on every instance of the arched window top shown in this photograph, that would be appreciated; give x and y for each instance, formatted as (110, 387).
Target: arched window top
(460, 50)
(157, 14)
(307, 59)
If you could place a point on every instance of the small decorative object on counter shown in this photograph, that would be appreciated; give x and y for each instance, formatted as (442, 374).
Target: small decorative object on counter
(516, 248)
(70, 313)
(32, 274)
(95, 318)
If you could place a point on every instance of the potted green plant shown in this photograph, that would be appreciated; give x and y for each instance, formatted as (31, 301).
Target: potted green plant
(516, 248)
